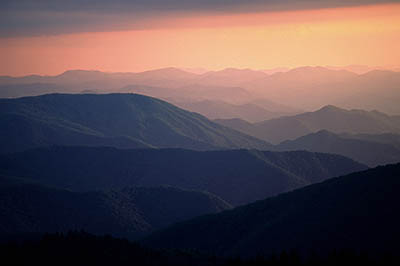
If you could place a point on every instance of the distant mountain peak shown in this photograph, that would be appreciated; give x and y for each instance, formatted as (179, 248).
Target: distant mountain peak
(237, 69)
(168, 69)
(330, 108)
(79, 75)
(231, 70)
(320, 71)
(168, 73)
(80, 71)
(309, 68)
(379, 73)
(324, 132)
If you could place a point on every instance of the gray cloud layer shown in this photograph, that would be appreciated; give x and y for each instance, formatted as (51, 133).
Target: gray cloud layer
(38, 17)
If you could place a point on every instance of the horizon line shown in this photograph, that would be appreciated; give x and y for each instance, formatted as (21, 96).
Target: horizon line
(192, 70)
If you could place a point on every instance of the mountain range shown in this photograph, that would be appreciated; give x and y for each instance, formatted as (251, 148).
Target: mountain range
(119, 120)
(309, 88)
(331, 118)
(129, 212)
(292, 88)
(236, 176)
(131, 165)
(136, 121)
(220, 164)
(368, 149)
(252, 111)
(357, 212)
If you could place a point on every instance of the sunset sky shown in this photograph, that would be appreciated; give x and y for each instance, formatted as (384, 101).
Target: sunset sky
(49, 37)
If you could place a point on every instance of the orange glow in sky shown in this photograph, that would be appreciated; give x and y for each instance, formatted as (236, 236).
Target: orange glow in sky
(368, 35)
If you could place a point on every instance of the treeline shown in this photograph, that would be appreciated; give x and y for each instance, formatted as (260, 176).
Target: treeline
(80, 248)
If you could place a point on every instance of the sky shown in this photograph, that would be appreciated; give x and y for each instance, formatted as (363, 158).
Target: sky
(48, 37)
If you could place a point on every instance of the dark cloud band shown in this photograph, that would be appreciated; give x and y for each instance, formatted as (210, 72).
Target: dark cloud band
(38, 17)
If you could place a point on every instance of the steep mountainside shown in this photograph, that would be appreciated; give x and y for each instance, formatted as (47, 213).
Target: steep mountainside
(358, 211)
(329, 118)
(362, 148)
(237, 176)
(130, 212)
(119, 120)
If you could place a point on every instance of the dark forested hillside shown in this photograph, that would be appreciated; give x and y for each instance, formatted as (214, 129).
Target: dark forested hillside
(130, 212)
(372, 150)
(118, 120)
(358, 211)
(81, 248)
(237, 176)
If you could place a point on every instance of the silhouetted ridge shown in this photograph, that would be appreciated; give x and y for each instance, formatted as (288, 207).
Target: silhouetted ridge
(130, 212)
(81, 248)
(331, 118)
(372, 150)
(330, 108)
(357, 211)
(119, 120)
(237, 176)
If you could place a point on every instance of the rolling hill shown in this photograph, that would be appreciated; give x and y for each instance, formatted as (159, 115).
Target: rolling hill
(358, 212)
(119, 120)
(214, 109)
(385, 138)
(331, 118)
(192, 93)
(237, 176)
(105, 80)
(367, 91)
(129, 212)
(365, 149)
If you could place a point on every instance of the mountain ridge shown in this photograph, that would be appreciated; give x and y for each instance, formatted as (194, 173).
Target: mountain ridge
(367, 150)
(236, 176)
(129, 212)
(356, 211)
(292, 87)
(330, 117)
(139, 120)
